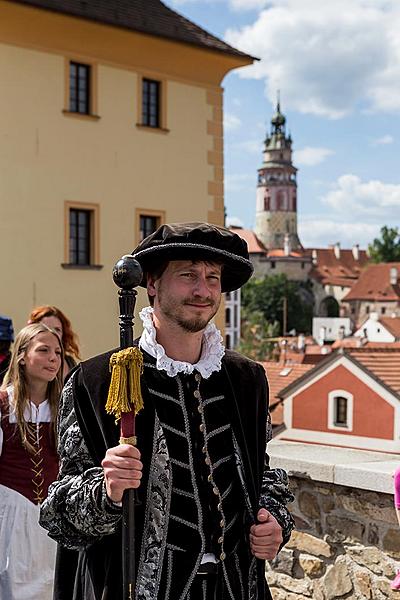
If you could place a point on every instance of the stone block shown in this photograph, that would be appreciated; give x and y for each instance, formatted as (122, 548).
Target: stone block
(300, 523)
(372, 558)
(311, 565)
(278, 594)
(296, 586)
(373, 535)
(283, 562)
(305, 542)
(363, 584)
(309, 506)
(340, 529)
(327, 504)
(376, 511)
(391, 542)
(337, 581)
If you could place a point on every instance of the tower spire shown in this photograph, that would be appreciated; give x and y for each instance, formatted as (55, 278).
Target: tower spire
(276, 211)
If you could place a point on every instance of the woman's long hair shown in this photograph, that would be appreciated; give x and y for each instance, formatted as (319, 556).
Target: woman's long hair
(69, 338)
(16, 377)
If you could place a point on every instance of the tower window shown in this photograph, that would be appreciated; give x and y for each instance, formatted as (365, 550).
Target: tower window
(79, 236)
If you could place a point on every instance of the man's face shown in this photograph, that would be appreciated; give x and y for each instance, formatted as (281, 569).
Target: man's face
(188, 293)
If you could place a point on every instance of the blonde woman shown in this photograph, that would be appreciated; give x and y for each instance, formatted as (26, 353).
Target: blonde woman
(28, 462)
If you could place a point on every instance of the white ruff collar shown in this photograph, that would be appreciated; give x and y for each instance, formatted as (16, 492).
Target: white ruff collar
(211, 354)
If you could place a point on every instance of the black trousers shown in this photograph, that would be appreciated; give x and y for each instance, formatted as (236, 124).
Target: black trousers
(204, 587)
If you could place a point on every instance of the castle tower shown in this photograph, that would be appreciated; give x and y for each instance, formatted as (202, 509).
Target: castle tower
(276, 210)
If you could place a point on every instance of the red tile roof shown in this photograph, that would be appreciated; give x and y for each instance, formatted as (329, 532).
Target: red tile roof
(280, 253)
(392, 324)
(254, 244)
(357, 342)
(383, 362)
(147, 16)
(342, 271)
(374, 284)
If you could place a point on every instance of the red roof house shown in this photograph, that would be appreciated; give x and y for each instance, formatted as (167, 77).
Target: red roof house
(351, 399)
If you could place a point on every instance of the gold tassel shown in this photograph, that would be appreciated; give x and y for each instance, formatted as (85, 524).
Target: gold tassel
(125, 366)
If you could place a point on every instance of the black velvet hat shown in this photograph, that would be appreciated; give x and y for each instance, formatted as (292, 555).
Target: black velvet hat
(197, 241)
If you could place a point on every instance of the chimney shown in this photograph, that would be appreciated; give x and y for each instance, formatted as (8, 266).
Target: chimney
(393, 276)
(356, 252)
(286, 245)
(336, 249)
(322, 336)
(301, 342)
(314, 257)
(341, 332)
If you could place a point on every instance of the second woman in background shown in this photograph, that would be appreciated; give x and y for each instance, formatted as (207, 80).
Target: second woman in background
(53, 317)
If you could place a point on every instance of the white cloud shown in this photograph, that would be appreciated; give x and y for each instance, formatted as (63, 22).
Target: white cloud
(385, 139)
(231, 121)
(311, 156)
(328, 58)
(320, 232)
(234, 222)
(371, 200)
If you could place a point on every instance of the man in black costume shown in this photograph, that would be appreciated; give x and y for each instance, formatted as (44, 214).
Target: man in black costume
(211, 510)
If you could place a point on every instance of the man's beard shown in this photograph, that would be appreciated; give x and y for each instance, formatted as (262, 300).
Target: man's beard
(192, 325)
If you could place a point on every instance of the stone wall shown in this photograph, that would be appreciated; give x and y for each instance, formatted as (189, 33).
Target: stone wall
(346, 545)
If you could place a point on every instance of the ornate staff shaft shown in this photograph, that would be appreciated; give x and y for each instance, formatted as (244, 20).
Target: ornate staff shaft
(127, 275)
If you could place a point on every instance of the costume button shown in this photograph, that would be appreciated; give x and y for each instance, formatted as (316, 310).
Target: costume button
(222, 556)
(202, 427)
(204, 449)
(196, 394)
(197, 377)
(222, 523)
(209, 478)
(207, 461)
(220, 540)
(215, 490)
(219, 506)
(200, 408)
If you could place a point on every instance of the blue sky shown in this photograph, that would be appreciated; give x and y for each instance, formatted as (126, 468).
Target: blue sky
(337, 66)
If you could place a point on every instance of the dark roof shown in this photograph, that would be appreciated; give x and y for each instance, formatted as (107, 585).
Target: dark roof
(146, 16)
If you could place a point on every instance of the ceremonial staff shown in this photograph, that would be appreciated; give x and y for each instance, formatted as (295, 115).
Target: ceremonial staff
(125, 400)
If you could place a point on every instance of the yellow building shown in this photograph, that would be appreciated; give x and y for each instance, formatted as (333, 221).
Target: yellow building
(110, 124)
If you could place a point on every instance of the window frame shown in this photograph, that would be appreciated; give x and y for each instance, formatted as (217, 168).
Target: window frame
(94, 225)
(92, 88)
(162, 103)
(332, 410)
(147, 212)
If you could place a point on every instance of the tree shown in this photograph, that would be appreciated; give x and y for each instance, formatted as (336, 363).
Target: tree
(257, 336)
(270, 296)
(386, 249)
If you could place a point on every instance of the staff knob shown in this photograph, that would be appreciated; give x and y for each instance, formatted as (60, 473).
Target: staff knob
(127, 272)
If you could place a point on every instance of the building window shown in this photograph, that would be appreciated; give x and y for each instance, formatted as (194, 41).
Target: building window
(228, 341)
(367, 310)
(383, 310)
(273, 264)
(151, 103)
(147, 225)
(340, 410)
(227, 317)
(81, 235)
(147, 221)
(79, 88)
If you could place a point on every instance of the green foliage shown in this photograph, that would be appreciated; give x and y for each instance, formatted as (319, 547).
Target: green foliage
(387, 248)
(267, 297)
(257, 339)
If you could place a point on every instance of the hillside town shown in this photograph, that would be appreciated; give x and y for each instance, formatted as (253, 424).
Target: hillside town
(113, 143)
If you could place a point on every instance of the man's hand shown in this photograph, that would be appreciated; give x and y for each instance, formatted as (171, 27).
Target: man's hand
(266, 536)
(122, 470)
